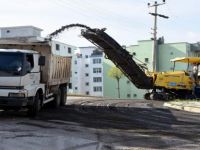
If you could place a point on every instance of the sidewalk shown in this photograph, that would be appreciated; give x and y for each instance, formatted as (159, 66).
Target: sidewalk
(190, 106)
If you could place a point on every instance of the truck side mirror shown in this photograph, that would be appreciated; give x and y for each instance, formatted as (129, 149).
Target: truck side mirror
(41, 61)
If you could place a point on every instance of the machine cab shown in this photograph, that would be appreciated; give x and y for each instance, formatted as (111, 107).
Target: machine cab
(192, 68)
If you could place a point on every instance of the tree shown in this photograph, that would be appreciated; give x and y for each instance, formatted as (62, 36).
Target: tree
(116, 73)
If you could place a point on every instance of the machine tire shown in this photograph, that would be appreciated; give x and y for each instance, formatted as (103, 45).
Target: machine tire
(170, 97)
(35, 108)
(63, 90)
(154, 96)
(57, 99)
(147, 96)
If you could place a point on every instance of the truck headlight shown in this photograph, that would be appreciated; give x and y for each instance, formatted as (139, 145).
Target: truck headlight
(22, 95)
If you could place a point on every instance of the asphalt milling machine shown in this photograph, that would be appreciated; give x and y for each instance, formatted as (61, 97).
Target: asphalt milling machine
(167, 85)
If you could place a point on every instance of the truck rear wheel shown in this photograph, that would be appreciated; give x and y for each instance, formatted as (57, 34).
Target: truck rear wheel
(35, 108)
(63, 95)
(57, 99)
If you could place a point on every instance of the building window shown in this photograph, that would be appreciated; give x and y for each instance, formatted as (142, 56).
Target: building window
(96, 61)
(70, 85)
(86, 56)
(128, 95)
(134, 95)
(97, 88)
(97, 79)
(87, 83)
(87, 93)
(75, 72)
(76, 88)
(124, 46)
(146, 60)
(96, 70)
(86, 74)
(127, 81)
(86, 65)
(75, 62)
(171, 53)
(57, 47)
(79, 55)
(69, 50)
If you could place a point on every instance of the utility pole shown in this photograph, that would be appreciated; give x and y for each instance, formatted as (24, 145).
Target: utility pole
(155, 44)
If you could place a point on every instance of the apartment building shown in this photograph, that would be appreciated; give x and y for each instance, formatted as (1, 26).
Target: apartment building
(88, 71)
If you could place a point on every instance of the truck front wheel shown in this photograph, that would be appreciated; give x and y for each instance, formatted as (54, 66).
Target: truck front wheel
(35, 108)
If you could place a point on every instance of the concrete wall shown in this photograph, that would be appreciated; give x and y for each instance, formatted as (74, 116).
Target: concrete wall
(169, 51)
(21, 31)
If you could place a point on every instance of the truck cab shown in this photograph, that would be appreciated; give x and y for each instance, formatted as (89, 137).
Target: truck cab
(19, 77)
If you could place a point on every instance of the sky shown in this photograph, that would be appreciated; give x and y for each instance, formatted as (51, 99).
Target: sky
(127, 21)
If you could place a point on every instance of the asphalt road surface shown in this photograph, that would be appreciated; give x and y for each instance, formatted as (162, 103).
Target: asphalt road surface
(101, 124)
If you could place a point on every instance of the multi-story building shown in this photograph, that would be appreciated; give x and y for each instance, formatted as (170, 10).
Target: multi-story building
(88, 71)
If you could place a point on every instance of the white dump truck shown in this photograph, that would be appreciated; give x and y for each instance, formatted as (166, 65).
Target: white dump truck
(31, 76)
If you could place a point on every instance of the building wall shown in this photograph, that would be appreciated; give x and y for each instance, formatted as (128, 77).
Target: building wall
(62, 49)
(169, 51)
(142, 52)
(20, 31)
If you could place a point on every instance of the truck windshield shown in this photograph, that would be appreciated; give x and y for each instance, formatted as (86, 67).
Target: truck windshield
(10, 64)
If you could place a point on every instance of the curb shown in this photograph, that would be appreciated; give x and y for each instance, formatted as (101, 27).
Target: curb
(183, 106)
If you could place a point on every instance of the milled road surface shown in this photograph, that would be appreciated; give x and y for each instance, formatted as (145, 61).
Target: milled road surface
(101, 124)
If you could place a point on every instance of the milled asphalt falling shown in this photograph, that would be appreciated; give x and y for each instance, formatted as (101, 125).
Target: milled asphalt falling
(101, 124)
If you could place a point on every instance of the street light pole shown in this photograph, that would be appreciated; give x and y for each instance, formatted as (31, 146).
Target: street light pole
(155, 44)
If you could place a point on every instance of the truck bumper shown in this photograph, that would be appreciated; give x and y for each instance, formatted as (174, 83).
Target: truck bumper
(15, 102)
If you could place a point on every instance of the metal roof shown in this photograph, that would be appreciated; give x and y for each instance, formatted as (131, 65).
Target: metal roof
(186, 59)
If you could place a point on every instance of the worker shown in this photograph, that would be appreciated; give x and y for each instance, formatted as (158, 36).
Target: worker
(195, 72)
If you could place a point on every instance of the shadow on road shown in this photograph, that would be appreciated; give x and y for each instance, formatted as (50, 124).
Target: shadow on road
(147, 127)
(154, 123)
